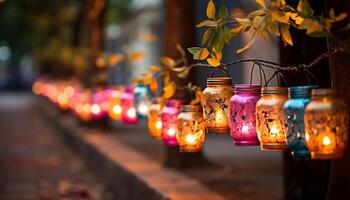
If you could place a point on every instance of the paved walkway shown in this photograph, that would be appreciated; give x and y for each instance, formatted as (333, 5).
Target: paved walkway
(34, 164)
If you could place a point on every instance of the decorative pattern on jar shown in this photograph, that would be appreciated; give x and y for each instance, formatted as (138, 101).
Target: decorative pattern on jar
(269, 118)
(293, 111)
(215, 101)
(326, 124)
(191, 128)
(242, 114)
(169, 121)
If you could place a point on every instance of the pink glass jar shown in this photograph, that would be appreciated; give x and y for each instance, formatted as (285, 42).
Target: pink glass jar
(128, 108)
(242, 114)
(169, 121)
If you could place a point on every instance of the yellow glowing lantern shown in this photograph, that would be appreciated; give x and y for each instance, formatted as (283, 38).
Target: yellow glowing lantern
(326, 124)
(154, 121)
(216, 100)
(269, 118)
(191, 128)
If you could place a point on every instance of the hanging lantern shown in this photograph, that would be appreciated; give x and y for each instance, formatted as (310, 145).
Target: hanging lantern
(269, 118)
(154, 120)
(142, 100)
(293, 111)
(115, 107)
(215, 101)
(169, 121)
(191, 128)
(242, 114)
(326, 124)
(129, 115)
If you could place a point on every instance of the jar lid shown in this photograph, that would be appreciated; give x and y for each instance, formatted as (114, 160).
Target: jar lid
(324, 92)
(247, 87)
(274, 90)
(301, 91)
(191, 108)
(219, 81)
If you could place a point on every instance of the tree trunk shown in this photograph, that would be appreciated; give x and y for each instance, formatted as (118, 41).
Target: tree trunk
(180, 29)
(339, 182)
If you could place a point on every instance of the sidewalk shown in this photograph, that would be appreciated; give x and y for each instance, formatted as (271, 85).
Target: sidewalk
(34, 164)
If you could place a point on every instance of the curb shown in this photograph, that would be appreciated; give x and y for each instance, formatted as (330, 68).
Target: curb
(129, 174)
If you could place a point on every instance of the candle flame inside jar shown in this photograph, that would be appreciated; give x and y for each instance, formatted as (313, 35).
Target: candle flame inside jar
(219, 117)
(95, 109)
(143, 109)
(171, 131)
(190, 139)
(326, 141)
(131, 113)
(245, 128)
(117, 109)
(159, 125)
(274, 130)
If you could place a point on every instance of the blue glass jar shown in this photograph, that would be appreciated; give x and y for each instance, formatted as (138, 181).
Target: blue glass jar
(293, 112)
(142, 100)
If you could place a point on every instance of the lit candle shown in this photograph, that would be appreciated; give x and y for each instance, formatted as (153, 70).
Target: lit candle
(169, 121)
(154, 121)
(128, 110)
(142, 100)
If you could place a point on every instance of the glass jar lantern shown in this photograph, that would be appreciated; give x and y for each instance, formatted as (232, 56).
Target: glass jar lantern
(242, 114)
(142, 100)
(326, 124)
(269, 118)
(191, 128)
(154, 120)
(115, 107)
(169, 121)
(215, 101)
(129, 115)
(293, 111)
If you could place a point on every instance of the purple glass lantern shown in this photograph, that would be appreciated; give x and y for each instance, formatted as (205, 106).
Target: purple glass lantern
(128, 108)
(169, 121)
(242, 114)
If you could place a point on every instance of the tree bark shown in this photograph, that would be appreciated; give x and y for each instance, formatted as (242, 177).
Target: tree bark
(180, 29)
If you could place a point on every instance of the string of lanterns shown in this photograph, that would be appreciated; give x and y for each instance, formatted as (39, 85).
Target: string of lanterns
(305, 119)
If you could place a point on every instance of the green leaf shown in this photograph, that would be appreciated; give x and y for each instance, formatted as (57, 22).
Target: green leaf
(206, 36)
(194, 50)
(305, 9)
(226, 35)
(198, 53)
(218, 42)
(223, 13)
(211, 9)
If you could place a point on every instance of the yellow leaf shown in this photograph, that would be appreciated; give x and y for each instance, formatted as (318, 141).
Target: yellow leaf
(261, 3)
(236, 30)
(153, 86)
(244, 21)
(213, 62)
(305, 24)
(202, 54)
(274, 29)
(154, 68)
(169, 90)
(203, 23)
(147, 79)
(248, 45)
(198, 97)
(258, 22)
(217, 54)
(280, 17)
(340, 17)
(286, 37)
(168, 61)
(136, 56)
(314, 27)
(256, 13)
(100, 62)
(211, 9)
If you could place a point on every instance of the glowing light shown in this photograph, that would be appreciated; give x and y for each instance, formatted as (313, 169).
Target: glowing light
(245, 128)
(69, 91)
(307, 136)
(86, 108)
(95, 109)
(62, 99)
(117, 109)
(171, 131)
(326, 141)
(274, 130)
(219, 117)
(104, 105)
(190, 139)
(159, 125)
(131, 113)
(143, 109)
